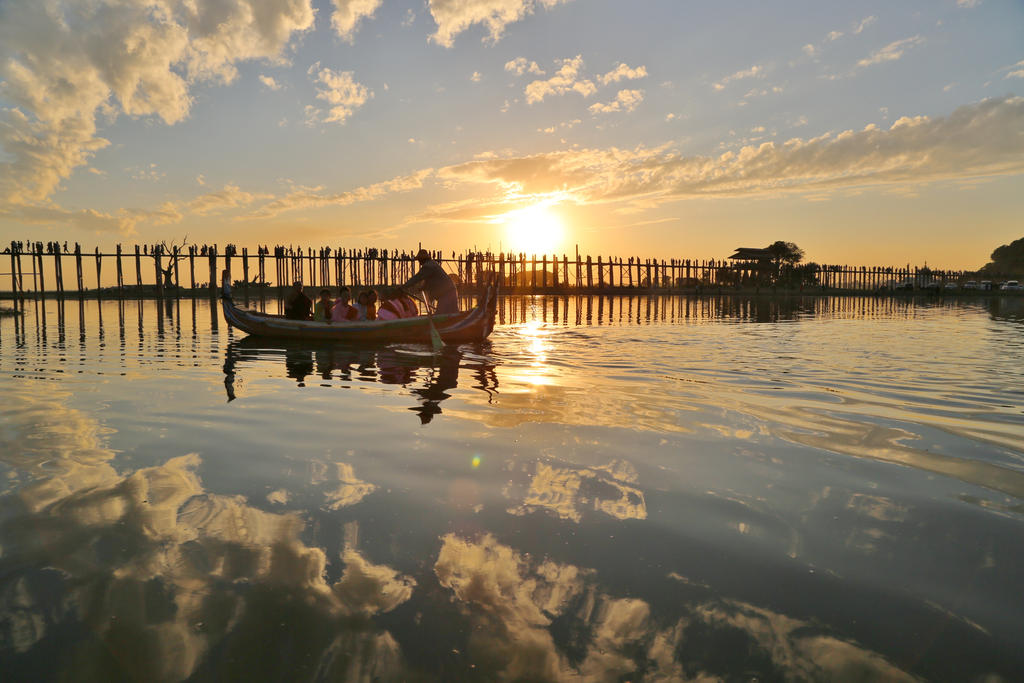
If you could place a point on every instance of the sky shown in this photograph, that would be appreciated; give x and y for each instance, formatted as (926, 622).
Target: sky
(869, 133)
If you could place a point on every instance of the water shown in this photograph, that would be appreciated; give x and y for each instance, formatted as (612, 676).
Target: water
(641, 488)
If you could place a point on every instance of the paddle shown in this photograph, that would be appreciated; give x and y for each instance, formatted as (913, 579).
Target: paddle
(435, 336)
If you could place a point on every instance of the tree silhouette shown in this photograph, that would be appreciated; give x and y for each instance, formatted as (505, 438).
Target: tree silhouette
(785, 252)
(1009, 258)
(163, 249)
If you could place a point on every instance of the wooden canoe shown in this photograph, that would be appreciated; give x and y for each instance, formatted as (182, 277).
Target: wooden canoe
(455, 328)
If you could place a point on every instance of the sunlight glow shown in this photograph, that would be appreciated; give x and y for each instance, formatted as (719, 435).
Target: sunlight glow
(535, 347)
(537, 229)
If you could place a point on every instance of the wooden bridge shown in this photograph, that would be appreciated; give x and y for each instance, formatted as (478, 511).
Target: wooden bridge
(144, 271)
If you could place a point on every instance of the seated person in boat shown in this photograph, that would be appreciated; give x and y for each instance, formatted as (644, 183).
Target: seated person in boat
(391, 305)
(342, 311)
(435, 283)
(297, 306)
(322, 307)
(366, 304)
(411, 309)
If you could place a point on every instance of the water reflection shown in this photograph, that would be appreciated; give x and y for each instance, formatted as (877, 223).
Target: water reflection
(428, 376)
(546, 621)
(642, 488)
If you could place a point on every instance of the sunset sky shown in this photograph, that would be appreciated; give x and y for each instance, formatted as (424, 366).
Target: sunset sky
(866, 132)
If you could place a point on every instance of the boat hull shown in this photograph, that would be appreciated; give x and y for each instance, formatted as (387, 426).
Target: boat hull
(455, 328)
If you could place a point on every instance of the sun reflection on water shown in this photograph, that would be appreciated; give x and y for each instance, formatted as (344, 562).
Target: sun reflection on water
(534, 370)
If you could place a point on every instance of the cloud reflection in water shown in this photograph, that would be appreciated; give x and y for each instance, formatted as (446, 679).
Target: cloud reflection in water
(517, 605)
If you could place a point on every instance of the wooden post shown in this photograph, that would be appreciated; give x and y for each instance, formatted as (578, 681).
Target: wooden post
(99, 267)
(120, 271)
(177, 281)
(590, 273)
(15, 258)
(533, 273)
(138, 267)
(611, 272)
(158, 257)
(58, 273)
(600, 273)
(211, 254)
(245, 268)
(192, 267)
(565, 271)
(78, 268)
(41, 286)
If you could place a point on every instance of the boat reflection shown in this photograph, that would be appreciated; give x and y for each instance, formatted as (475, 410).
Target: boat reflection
(430, 377)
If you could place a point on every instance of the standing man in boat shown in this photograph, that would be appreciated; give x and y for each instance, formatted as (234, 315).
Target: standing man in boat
(298, 306)
(435, 283)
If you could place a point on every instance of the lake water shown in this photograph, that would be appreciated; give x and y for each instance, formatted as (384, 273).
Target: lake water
(641, 488)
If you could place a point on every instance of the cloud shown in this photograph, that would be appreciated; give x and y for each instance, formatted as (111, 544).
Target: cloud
(976, 140)
(891, 52)
(85, 219)
(621, 72)
(519, 66)
(455, 16)
(1016, 71)
(269, 82)
(565, 80)
(756, 71)
(150, 172)
(761, 92)
(349, 13)
(124, 221)
(625, 100)
(228, 198)
(864, 23)
(476, 77)
(64, 63)
(341, 92)
(968, 4)
(314, 197)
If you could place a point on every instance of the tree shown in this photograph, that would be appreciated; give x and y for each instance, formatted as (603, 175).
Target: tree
(1007, 259)
(785, 252)
(163, 249)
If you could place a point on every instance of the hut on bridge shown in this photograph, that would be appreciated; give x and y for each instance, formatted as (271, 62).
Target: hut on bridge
(752, 265)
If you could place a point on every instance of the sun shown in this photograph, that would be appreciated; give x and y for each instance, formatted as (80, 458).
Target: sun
(537, 229)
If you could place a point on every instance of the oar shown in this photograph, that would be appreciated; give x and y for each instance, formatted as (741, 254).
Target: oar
(435, 336)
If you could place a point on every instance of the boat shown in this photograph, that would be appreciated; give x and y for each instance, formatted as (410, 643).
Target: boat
(463, 327)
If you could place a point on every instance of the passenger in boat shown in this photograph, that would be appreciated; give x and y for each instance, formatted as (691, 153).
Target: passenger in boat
(297, 306)
(342, 311)
(391, 306)
(323, 306)
(435, 283)
(366, 304)
(408, 303)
